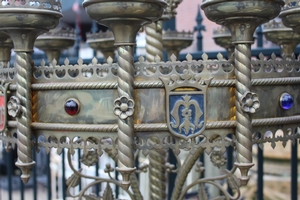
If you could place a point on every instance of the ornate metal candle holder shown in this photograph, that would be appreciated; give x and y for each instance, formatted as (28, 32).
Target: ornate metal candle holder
(222, 37)
(284, 37)
(238, 17)
(125, 19)
(125, 108)
(23, 28)
(290, 14)
(5, 49)
(56, 40)
(174, 41)
(154, 51)
(102, 41)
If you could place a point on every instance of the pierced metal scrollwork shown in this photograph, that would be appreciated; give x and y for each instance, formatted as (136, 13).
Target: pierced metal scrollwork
(90, 158)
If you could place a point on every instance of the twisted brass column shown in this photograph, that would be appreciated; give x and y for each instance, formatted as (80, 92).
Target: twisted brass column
(23, 46)
(133, 179)
(126, 126)
(154, 45)
(157, 174)
(157, 158)
(124, 21)
(242, 18)
(23, 22)
(243, 84)
(24, 65)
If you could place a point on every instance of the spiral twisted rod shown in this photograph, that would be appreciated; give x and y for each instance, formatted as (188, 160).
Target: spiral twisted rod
(24, 65)
(157, 158)
(154, 45)
(126, 126)
(243, 120)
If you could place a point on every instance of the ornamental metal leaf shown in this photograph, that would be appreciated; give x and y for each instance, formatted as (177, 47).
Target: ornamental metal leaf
(108, 193)
(202, 195)
(219, 198)
(233, 182)
(74, 180)
(90, 197)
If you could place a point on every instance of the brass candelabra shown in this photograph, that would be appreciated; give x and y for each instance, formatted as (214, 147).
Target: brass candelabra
(130, 108)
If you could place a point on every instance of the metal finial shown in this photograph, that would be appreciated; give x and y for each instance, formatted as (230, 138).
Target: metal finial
(199, 27)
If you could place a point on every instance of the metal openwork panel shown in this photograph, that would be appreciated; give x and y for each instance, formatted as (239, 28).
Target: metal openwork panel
(149, 108)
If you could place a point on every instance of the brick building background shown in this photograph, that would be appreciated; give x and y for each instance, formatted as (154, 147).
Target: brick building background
(186, 21)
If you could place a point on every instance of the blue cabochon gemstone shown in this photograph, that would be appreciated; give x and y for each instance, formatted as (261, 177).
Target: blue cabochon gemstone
(286, 101)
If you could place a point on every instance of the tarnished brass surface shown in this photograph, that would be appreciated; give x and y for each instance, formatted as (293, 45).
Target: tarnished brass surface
(3, 37)
(5, 49)
(23, 22)
(174, 41)
(242, 18)
(284, 37)
(290, 14)
(102, 41)
(149, 107)
(222, 37)
(154, 45)
(238, 15)
(56, 40)
(126, 17)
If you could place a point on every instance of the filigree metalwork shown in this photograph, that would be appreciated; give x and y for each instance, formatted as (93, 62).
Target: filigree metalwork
(73, 180)
(233, 182)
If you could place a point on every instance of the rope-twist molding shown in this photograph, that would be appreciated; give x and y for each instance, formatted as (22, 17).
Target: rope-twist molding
(154, 45)
(243, 120)
(126, 126)
(24, 65)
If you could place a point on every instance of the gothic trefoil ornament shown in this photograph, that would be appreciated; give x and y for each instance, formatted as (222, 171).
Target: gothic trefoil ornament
(186, 104)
